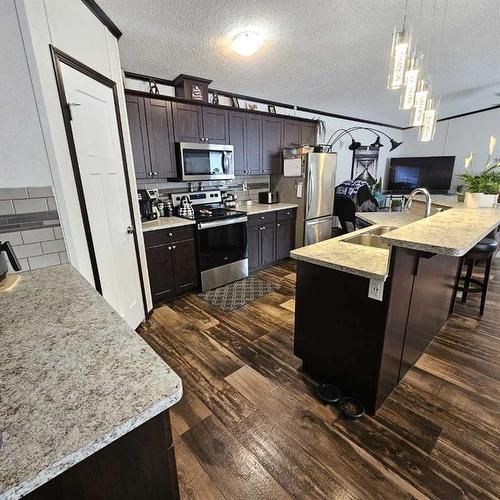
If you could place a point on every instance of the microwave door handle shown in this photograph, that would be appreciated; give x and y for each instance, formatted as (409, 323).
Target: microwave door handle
(226, 162)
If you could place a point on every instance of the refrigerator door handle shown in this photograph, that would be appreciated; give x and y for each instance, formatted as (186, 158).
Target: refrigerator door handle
(310, 190)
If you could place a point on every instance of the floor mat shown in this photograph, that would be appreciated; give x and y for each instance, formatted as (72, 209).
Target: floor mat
(237, 294)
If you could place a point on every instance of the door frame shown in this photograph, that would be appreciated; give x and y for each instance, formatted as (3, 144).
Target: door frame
(58, 57)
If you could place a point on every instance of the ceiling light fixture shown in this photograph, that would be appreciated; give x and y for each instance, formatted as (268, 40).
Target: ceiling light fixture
(247, 43)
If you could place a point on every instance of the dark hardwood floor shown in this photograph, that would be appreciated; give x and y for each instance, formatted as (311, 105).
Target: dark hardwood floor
(250, 427)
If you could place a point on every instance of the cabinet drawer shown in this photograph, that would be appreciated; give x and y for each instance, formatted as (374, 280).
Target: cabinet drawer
(263, 218)
(168, 235)
(286, 214)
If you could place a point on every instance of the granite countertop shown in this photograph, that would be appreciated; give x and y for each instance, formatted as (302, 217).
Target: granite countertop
(452, 232)
(396, 219)
(73, 378)
(259, 208)
(165, 223)
(441, 200)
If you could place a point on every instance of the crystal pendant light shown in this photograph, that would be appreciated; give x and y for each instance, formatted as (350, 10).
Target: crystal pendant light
(399, 58)
(421, 95)
(428, 128)
(411, 78)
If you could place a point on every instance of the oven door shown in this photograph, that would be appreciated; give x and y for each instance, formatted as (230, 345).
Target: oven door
(199, 162)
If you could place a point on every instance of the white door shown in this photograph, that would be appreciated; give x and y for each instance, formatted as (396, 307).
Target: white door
(97, 144)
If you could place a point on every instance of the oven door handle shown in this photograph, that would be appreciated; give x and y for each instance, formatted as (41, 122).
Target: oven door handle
(223, 222)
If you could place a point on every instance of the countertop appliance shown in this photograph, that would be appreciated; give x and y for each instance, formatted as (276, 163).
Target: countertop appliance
(147, 199)
(269, 197)
(205, 162)
(222, 239)
(311, 185)
(4, 268)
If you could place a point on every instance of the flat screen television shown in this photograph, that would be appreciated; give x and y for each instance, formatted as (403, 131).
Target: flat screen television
(432, 172)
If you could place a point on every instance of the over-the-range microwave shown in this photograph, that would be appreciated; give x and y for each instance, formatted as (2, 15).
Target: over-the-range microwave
(205, 162)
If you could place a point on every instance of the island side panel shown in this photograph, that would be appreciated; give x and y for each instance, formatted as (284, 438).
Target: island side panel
(140, 464)
(339, 331)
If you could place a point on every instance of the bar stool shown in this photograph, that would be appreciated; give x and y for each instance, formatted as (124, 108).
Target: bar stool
(482, 251)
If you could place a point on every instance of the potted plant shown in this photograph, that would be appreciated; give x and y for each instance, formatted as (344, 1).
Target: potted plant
(482, 188)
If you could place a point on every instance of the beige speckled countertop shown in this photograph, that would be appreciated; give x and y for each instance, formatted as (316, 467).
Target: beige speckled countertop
(452, 232)
(73, 378)
(396, 219)
(165, 222)
(259, 208)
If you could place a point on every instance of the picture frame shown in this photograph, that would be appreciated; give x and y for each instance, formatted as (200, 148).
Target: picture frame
(272, 109)
(236, 103)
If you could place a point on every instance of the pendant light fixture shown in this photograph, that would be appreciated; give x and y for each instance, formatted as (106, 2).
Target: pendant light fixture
(399, 57)
(428, 128)
(412, 76)
(419, 106)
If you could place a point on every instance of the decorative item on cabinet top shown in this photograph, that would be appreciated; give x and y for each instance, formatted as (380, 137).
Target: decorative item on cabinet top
(191, 87)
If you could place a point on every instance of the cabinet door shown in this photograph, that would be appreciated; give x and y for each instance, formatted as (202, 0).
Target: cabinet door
(267, 244)
(308, 133)
(253, 247)
(188, 122)
(138, 136)
(237, 140)
(185, 268)
(291, 133)
(215, 125)
(161, 139)
(272, 145)
(161, 272)
(253, 144)
(283, 239)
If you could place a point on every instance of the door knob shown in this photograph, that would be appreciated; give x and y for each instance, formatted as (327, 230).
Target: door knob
(130, 229)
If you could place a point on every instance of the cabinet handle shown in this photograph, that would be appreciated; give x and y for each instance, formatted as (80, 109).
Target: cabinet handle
(149, 174)
(170, 234)
(278, 225)
(169, 248)
(288, 213)
(173, 247)
(262, 217)
(155, 173)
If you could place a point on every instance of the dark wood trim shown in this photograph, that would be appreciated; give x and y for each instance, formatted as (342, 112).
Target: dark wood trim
(58, 57)
(138, 76)
(102, 16)
(148, 95)
(182, 76)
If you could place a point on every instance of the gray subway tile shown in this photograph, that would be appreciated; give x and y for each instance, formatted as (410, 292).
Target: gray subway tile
(40, 192)
(30, 250)
(63, 256)
(22, 262)
(58, 234)
(44, 261)
(30, 205)
(13, 193)
(14, 237)
(6, 207)
(35, 235)
(51, 203)
(53, 246)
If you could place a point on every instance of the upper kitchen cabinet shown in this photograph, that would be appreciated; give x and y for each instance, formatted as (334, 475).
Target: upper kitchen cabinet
(308, 133)
(215, 125)
(272, 145)
(291, 133)
(188, 122)
(150, 123)
(253, 144)
(236, 121)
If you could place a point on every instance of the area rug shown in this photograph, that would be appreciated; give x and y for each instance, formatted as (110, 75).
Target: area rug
(237, 294)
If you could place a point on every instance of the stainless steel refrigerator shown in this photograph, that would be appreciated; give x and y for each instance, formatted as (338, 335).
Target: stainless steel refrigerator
(313, 190)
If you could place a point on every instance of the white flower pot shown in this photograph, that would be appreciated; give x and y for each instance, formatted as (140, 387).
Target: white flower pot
(480, 200)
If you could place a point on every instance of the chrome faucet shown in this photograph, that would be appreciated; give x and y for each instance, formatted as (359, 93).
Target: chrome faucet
(428, 201)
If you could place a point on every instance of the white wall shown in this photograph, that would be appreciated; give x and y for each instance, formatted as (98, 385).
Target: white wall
(457, 137)
(71, 27)
(23, 159)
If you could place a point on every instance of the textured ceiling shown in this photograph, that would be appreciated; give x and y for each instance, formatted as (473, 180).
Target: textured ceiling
(330, 55)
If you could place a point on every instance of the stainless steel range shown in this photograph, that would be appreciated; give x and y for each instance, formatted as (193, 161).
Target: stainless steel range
(222, 239)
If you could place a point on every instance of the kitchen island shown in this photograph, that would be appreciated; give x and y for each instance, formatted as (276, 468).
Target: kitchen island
(365, 313)
(84, 400)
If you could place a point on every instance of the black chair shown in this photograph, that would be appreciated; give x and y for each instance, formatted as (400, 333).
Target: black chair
(482, 251)
(345, 209)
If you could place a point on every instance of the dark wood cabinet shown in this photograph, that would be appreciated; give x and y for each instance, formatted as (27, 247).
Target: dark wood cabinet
(308, 133)
(291, 133)
(188, 122)
(253, 144)
(267, 244)
(253, 247)
(284, 237)
(161, 140)
(138, 136)
(172, 262)
(272, 145)
(215, 125)
(236, 121)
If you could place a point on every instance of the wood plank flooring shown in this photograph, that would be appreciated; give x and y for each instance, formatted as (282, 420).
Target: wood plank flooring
(250, 427)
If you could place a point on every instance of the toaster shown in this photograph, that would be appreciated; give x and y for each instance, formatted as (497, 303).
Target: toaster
(268, 197)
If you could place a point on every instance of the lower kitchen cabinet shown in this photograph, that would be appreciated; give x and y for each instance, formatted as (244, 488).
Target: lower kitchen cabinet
(270, 237)
(172, 263)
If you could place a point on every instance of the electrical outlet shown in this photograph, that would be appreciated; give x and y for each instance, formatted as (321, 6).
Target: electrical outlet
(376, 289)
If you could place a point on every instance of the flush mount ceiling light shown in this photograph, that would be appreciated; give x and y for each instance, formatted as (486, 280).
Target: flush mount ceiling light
(247, 43)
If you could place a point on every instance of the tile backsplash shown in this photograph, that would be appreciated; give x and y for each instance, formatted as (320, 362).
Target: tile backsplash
(29, 220)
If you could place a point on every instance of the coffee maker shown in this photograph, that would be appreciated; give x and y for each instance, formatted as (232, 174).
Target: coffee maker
(6, 247)
(147, 199)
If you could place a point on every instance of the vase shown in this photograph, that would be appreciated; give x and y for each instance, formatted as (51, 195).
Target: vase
(488, 200)
(472, 200)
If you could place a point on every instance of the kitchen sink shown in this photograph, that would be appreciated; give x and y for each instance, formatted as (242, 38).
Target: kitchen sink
(371, 238)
